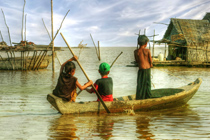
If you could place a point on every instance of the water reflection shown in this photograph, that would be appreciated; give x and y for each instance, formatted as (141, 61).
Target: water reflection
(142, 126)
(104, 127)
(63, 127)
(165, 123)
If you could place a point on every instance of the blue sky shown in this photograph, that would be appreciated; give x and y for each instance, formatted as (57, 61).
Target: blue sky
(112, 22)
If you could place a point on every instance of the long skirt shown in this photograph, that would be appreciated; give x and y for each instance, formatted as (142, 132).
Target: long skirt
(143, 90)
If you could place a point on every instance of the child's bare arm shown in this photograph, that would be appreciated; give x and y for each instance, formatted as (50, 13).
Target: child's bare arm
(84, 86)
(136, 55)
(150, 58)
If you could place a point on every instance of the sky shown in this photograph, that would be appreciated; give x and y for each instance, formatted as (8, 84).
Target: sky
(114, 23)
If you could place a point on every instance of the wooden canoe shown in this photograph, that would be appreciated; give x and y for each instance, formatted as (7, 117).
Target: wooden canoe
(171, 97)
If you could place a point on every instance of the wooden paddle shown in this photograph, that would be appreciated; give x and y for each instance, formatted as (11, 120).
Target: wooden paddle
(104, 105)
(110, 67)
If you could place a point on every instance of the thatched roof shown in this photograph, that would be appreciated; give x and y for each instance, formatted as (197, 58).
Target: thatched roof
(188, 31)
(207, 17)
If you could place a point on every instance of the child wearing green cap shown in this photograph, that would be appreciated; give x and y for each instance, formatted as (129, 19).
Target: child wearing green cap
(104, 85)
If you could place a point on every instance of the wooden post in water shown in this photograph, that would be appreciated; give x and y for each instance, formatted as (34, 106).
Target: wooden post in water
(153, 49)
(23, 19)
(1, 36)
(7, 27)
(25, 28)
(165, 51)
(99, 53)
(95, 47)
(207, 53)
(46, 29)
(53, 49)
(137, 39)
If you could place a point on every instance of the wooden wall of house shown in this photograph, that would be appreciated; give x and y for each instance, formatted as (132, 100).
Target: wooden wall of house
(200, 53)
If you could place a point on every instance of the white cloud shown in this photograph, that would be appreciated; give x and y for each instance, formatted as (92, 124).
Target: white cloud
(112, 22)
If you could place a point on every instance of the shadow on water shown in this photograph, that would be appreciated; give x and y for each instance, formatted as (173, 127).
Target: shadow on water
(143, 125)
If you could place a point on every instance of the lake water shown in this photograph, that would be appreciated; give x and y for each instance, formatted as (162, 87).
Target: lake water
(26, 114)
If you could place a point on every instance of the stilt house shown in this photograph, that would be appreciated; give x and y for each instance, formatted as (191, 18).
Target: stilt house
(188, 39)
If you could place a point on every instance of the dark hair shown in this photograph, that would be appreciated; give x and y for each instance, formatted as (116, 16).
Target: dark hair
(104, 73)
(69, 66)
(142, 39)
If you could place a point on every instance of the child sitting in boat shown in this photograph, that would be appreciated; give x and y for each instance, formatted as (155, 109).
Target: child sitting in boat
(104, 85)
(67, 83)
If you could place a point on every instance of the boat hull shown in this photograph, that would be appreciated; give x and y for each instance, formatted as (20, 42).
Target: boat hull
(181, 97)
(28, 63)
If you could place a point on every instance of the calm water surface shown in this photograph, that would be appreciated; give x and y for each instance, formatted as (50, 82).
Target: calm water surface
(26, 114)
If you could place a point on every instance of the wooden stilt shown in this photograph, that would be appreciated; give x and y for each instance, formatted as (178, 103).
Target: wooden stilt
(95, 47)
(165, 51)
(4, 62)
(99, 53)
(53, 49)
(207, 52)
(10, 60)
(153, 49)
(1, 37)
(7, 28)
(23, 19)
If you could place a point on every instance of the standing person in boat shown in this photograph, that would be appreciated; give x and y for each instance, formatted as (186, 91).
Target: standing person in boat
(144, 61)
(67, 83)
(104, 85)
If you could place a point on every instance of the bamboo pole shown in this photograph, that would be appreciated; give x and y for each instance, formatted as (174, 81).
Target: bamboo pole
(35, 59)
(53, 49)
(99, 53)
(54, 37)
(14, 58)
(40, 59)
(153, 49)
(10, 61)
(1, 37)
(4, 62)
(21, 60)
(110, 67)
(50, 39)
(115, 60)
(46, 29)
(24, 63)
(207, 52)
(7, 28)
(58, 30)
(138, 39)
(95, 47)
(165, 51)
(23, 19)
(104, 105)
(31, 61)
(25, 28)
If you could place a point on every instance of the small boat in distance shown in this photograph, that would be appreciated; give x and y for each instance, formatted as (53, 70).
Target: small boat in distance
(164, 98)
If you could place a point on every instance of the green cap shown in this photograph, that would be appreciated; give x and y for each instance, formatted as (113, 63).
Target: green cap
(104, 67)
